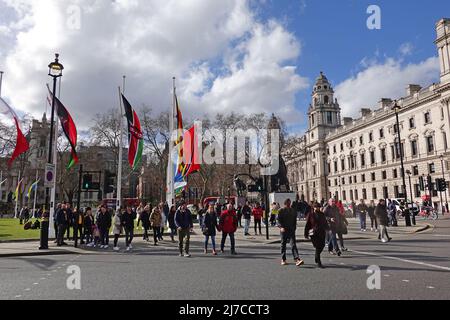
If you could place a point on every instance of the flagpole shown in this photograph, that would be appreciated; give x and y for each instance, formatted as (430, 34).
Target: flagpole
(119, 173)
(17, 195)
(35, 194)
(170, 174)
(1, 185)
(55, 163)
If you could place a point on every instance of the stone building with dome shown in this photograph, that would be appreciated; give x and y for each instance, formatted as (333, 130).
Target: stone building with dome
(353, 159)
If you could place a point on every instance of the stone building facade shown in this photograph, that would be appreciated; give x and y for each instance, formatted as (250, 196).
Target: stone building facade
(354, 159)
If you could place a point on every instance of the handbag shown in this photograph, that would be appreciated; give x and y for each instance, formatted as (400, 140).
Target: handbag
(205, 231)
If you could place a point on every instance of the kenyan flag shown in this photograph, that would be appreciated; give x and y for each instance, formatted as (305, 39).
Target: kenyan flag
(135, 137)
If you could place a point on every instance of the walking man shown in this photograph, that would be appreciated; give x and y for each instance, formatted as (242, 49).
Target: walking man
(287, 222)
(247, 214)
(362, 210)
(184, 224)
(383, 221)
(62, 220)
(228, 225)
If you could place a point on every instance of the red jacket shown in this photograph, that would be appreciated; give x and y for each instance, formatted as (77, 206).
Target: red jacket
(258, 213)
(228, 222)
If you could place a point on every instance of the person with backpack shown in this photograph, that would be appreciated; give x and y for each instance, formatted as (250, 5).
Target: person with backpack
(228, 225)
(209, 228)
(287, 222)
(128, 219)
(258, 214)
(156, 222)
(117, 230)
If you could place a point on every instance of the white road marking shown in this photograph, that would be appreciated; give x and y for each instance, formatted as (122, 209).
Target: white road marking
(406, 281)
(441, 235)
(387, 275)
(27, 289)
(404, 260)
(18, 296)
(35, 284)
(430, 287)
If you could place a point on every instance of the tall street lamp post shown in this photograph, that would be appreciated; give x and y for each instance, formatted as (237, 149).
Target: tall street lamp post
(55, 70)
(397, 109)
(413, 217)
(443, 177)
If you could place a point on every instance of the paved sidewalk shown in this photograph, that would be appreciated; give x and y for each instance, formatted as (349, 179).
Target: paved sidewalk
(30, 248)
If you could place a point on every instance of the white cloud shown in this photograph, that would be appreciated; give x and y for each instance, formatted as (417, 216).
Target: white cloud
(386, 79)
(225, 59)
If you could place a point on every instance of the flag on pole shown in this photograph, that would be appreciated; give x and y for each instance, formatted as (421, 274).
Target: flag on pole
(22, 144)
(18, 189)
(135, 136)
(69, 128)
(32, 188)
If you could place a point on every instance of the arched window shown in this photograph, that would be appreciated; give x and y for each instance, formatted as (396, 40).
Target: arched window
(326, 100)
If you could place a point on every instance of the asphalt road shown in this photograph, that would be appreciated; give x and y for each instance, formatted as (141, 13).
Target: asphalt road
(412, 267)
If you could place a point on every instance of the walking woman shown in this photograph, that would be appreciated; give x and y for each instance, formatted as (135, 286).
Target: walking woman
(316, 229)
(145, 219)
(172, 226)
(209, 228)
(373, 218)
(156, 221)
(128, 219)
(342, 228)
(117, 230)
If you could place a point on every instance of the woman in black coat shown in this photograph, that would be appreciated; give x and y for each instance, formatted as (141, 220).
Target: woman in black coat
(209, 228)
(172, 225)
(145, 218)
(381, 213)
(316, 229)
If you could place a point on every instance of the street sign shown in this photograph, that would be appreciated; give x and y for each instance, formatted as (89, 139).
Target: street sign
(49, 178)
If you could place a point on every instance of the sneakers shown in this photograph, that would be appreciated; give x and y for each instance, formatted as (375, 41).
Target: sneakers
(234, 253)
(283, 263)
(205, 251)
(116, 249)
(344, 249)
(128, 249)
(187, 255)
(339, 253)
(332, 253)
(214, 253)
(131, 247)
(299, 263)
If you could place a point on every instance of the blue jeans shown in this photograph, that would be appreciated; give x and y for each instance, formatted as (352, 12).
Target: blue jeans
(333, 244)
(363, 221)
(213, 241)
(247, 226)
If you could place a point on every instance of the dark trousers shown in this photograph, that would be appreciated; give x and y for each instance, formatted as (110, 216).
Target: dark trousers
(240, 220)
(146, 232)
(61, 232)
(160, 234)
(156, 234)
(341, 239)
(116, 240)
(88, 235)
(258, 226)
(289, 236)
(78, 230)
(318, 242)
(232, 239)
(104, 236)
(129, 235)
(333, 244)
(373, 222)
(55, 226)
(68, 232)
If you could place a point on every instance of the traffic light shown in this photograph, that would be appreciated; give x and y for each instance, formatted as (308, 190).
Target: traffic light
(108, 185)
(422, 183)
(441, 185)
(87, 182)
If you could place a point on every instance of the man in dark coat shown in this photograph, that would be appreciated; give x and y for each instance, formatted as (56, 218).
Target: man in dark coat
(247, 215)
(128, 219)
(381, 213)
(184, 223)
(104, 221)
(62, 220)
(334, 220)
(287, 222)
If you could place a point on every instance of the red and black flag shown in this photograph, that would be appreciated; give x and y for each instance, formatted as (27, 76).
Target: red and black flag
(135, 136)
(69, 128)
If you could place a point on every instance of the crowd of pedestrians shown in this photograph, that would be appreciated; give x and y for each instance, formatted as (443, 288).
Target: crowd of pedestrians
(325, 225)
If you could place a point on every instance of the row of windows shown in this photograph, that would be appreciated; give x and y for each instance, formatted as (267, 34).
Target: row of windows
(384, 176)
(396, 151)
(381, 132)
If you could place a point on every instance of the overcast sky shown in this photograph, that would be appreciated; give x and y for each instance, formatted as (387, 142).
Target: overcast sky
(230, 55)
